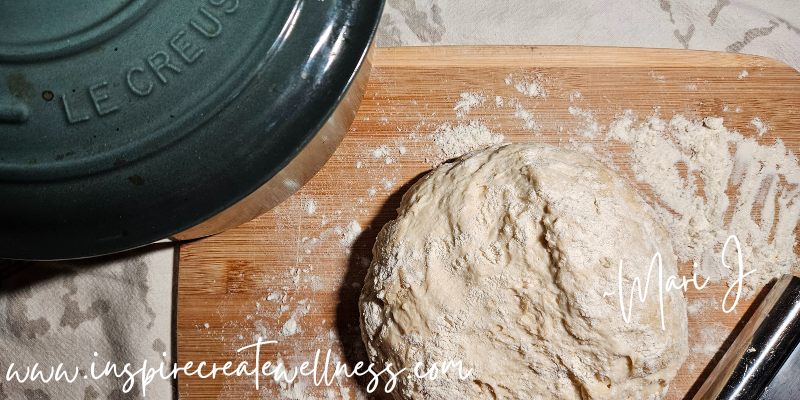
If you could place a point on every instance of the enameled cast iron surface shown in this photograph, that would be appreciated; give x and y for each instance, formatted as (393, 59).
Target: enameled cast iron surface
(122, 124)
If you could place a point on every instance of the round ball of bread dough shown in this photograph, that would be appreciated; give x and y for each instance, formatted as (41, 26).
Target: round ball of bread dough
(501, 260)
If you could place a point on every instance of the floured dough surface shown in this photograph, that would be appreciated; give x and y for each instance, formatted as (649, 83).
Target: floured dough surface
(500, 260)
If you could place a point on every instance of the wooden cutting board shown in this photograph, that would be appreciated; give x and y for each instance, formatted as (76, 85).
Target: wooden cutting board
(293, 262)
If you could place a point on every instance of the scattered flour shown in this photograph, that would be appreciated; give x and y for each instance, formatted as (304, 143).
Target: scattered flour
(387, 183)
(351, 232)
(694, 205)
(710, 338)
(310, 206)
(381, 151)
(702, 305)
(261, 331)
(343, 391)
(294, 391)
(458, 140)
(290, 327)
(659, 78)
(743, 74)
(529, 122)
(590, 128)
(760, 126)
(468, 100)
(332, 336)
(531, 87)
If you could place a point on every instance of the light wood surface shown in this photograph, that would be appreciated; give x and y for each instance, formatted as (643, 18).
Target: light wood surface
(225, 281)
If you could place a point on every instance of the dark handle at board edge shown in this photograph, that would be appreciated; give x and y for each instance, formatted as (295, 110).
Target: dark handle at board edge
(760, 349)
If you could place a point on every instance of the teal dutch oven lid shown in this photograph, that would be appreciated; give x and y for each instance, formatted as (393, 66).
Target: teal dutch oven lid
(122, 123)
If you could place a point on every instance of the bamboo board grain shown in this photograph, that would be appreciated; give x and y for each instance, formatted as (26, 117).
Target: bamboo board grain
(228, 282)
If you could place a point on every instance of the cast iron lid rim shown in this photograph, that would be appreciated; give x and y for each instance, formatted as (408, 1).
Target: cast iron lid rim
(301, 146)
